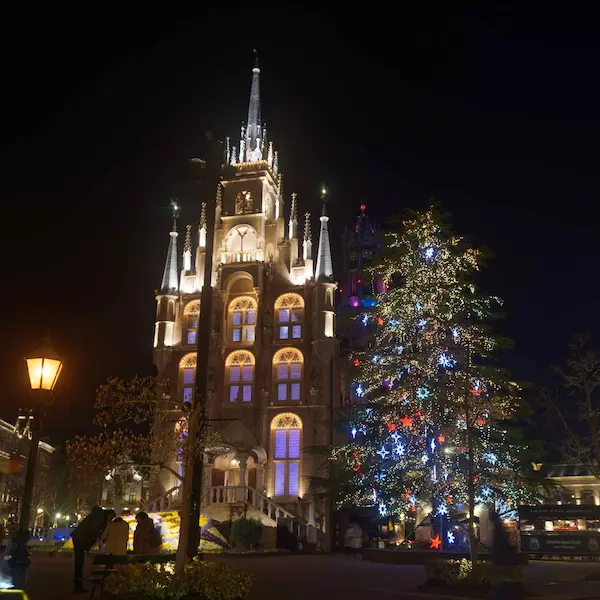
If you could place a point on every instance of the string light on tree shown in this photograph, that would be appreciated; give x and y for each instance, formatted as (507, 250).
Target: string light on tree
(429, 370)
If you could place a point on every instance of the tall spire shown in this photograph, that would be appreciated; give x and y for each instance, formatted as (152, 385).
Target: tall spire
(253, 133)
(293, 226)
(202, 228)
(169, 280)
(324, 264)
(307, 243)
(187, 249)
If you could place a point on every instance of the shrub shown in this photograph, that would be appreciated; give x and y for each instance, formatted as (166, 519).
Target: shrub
(200, 581)
(224, 528)
(245, 533)
(461, 572)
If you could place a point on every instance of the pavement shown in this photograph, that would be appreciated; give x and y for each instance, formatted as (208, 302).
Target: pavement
(315, 577)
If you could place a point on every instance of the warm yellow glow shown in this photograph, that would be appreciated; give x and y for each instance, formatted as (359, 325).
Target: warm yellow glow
(243, 303)
(43, 372)
(289, 301)
(288, 355)
(286, 421)
(192, 308)
(328, 324)
(239, 357)
(188, 361)
(40, 511)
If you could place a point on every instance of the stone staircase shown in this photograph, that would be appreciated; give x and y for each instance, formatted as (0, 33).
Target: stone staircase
(217, 501)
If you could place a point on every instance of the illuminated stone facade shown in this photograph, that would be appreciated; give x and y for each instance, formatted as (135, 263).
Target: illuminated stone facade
(272, 368)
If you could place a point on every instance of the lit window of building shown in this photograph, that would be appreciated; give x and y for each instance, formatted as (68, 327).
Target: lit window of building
(242, 320)
(287, 365)
(289, 313)
(239, 376)
(286, 433)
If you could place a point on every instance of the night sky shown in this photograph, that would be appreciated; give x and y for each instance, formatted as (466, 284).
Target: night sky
(495, 114)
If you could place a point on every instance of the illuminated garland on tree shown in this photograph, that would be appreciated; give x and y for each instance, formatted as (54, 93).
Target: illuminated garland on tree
(427, 391)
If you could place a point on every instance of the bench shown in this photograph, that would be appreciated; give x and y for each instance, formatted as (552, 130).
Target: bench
(103, 565)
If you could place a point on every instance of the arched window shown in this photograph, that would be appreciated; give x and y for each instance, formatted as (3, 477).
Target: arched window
(241, 245)
(242, 319)
(289, 312)
(239, 374)
(191, 314)
(187, 375)
(287, 364)
(286, 430)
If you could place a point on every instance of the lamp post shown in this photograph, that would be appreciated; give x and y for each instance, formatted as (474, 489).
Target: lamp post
(44, 367)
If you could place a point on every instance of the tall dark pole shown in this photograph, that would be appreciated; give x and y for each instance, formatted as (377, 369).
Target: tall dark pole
(332, 527)
(211, 178)
(20, 561)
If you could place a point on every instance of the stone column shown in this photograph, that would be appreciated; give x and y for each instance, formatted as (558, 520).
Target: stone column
(241, 492)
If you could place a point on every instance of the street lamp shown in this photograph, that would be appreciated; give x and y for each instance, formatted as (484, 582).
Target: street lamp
(43, 367)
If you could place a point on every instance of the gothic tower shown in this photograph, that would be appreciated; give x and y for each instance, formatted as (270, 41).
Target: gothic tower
(272, 368)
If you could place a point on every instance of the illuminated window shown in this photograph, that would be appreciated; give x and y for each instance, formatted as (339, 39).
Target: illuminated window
(187, 376)
(289, 314)
(287, 365)
(242, 320)
(239, 375)
(132, 498)
(286, 435)
(191, 315)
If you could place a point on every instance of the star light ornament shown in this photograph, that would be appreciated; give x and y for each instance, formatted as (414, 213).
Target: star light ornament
(443, 510)
(383, 453)
(354, 432)
(360, 391)
(451, 537)
(399, 450)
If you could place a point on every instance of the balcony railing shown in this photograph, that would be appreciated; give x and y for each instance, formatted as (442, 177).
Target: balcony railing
(242, 256)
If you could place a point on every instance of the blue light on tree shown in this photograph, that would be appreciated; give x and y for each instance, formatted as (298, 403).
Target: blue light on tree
(354, 432)
(491, 458)
(422, 393)
(451, 537)
(365, 320)
(382, 509)
(399, 449)
(424, 458)
(422, 323)
(486, 491)
(360, 391)
(418, 306)
(380, 477)
(429, 252)
(396, 437)
(455, 334)
(432, 445)
(442, 509)
(383, 452)
(394, 322)
(446, 361)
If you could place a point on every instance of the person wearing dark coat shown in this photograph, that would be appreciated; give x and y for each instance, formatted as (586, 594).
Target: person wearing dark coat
(503, 555)
(84, 537)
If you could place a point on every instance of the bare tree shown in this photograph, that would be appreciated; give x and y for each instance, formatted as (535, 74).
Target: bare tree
(578, 408)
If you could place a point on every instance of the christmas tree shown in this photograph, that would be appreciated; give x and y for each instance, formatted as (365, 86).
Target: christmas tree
(429, 430)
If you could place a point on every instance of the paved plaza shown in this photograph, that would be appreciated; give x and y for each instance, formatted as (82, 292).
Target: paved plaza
(314, 577)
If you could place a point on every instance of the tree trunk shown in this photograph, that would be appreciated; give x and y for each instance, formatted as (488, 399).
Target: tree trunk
(473, 541)
(186, 493)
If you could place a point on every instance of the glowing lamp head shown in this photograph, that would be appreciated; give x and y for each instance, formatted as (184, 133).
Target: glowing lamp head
(323, 191)
(44, 367)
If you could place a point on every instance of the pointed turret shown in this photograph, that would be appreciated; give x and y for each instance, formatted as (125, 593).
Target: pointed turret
(293, 225)
(187, 249)
(324, 264)
(169, 280)
(307, 249)
(253, 145)
(307, 243)
(202, 226)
